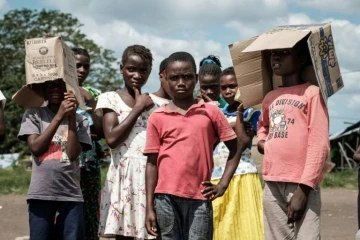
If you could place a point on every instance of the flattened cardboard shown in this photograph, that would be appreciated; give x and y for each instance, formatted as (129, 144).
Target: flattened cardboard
(253, 72)
(47, 59)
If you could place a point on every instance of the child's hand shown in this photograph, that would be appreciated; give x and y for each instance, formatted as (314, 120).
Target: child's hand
(261, 146)
(150, 222)
(70, 97)
(66, 108)
(204, 96)
(249, 129)
(212, 191)
(143, 101)
(297, 204)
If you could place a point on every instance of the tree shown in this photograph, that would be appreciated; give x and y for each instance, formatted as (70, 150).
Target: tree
(18, 25)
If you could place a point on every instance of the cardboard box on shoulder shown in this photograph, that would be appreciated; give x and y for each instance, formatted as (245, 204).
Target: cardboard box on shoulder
(251, 60)
(47, 59)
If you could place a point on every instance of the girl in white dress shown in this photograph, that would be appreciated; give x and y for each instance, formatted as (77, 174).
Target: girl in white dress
(125, 112)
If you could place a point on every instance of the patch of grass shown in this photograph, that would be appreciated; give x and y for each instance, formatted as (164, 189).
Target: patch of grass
(343, 179)
(14, 180)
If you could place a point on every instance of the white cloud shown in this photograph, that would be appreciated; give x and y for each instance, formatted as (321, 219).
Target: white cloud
(167, 16)
(117, 35)
(3, 4)
(344, 6)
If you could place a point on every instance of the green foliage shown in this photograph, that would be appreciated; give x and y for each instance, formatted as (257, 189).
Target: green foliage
(18, 25)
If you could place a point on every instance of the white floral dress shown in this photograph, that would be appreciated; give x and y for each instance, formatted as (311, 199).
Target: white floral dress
(123, 200)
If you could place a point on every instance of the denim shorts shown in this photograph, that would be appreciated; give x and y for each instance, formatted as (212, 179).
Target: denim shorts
(183, 218)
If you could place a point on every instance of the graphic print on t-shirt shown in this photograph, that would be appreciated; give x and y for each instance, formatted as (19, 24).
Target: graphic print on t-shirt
(280, 117)
(57, 148)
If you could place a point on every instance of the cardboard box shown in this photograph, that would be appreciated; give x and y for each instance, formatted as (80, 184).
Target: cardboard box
(251, 61)
(47, 59)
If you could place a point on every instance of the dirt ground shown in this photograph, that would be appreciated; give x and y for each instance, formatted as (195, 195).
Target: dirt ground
(339, 215)
(338, 219)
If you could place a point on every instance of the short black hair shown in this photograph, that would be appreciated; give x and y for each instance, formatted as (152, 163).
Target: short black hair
(138, 50)
(80, 51)
(213, 59)
(228, 71)
(210, 69)
(181, 57)
(162, 65)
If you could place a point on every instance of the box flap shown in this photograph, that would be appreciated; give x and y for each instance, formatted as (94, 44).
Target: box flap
(277, 40)
(29, 96)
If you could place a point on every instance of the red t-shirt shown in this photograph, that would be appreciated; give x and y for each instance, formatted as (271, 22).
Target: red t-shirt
(185, 147)
(295, 127)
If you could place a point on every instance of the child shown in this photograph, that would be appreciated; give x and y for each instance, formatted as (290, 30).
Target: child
(357, 158)
(239, 211)
(293, 134)
(210, 85)
(2, 118)
(90, 162)
(162, 95)
(179, 143)
(56, 135)
(125, 113)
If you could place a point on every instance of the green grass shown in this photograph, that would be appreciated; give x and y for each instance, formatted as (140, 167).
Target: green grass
(16, 180)
(345, 179)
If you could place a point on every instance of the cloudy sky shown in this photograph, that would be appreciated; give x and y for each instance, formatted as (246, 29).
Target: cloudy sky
(204, 27)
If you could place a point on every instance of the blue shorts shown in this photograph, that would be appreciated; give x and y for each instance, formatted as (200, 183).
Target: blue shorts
(183, 218)
(69, 224)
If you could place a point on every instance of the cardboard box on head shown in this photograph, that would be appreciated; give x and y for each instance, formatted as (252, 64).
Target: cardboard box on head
(47, 59)
(251, 60)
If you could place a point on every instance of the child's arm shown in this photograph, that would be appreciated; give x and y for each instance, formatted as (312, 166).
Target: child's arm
(357, 155)
(152, 148)
(2, 125)
(97, 132)
(39, 143)
(263, 127)
(116, 133)
(73, 147)
(318, 148)
(151, 181)
(236, 147)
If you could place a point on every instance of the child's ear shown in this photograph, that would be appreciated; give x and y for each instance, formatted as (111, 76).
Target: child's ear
(121, 68)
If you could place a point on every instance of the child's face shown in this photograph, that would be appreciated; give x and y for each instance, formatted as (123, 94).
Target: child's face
(54, 91)
(164, 83)
(181, 78)
(229, 87)
(210, 85)
(135, 71)
(284, 62)
(83, 67)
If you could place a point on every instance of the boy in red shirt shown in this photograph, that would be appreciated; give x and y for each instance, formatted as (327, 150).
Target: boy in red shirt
(293, 135)
(179, 145)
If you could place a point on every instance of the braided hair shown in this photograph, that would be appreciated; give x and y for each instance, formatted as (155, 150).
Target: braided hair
(138, 50)
(211, 59)
(210, 69)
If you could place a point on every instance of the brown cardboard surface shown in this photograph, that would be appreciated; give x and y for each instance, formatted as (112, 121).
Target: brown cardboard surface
(251, 61)
(47, 59)
(277, 40)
